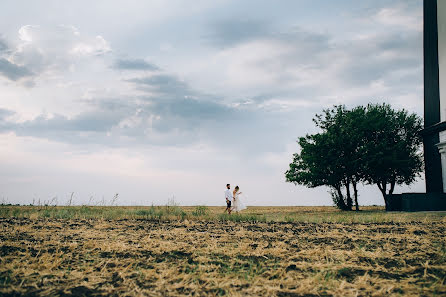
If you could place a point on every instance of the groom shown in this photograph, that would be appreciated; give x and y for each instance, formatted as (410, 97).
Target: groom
(228, 196)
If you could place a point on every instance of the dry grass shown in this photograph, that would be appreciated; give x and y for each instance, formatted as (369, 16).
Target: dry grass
(267, 251)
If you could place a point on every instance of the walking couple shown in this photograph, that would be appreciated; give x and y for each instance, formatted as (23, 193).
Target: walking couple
(233, 200)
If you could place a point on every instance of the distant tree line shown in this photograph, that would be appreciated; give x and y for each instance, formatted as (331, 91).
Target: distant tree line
(371, 144)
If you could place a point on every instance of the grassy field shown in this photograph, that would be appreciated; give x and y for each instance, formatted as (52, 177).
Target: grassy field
(197, 251)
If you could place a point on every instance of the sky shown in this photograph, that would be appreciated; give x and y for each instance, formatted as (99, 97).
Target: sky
(154, 100)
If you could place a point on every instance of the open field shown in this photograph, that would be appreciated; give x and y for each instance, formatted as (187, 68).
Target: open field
(196, 251)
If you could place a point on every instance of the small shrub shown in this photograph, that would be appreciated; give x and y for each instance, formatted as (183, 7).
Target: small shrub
(16, 212)
(289, 219)
(46, 213)
(5, 212)
(200, 211)
(65, 213)
(144, 212)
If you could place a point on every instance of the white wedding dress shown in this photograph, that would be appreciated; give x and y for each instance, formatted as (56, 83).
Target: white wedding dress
(238, 202)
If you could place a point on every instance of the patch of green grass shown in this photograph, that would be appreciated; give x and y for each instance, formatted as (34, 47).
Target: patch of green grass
(173, 211)
(200, 211)
(241, 218)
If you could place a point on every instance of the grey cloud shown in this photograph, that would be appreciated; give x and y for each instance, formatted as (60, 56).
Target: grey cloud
(4, 113)
(191, 116)
(356, 62)
(360, 62)
(97, 121)
(399, 41)
(163, 84)
(306, 50)
(134, 64)
(5, 125)
(379, 57)
(12, 71)
(370, 69)
(233, 31)
(3, 46)
(181, 107)
(105, 116)
(88, 127)
(29, 83)
(307, 39)
(172, 122)
(191, 108)
(84, 127)
(245, 130)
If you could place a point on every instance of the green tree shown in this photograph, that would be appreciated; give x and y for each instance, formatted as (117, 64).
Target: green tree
(316, 165)
(392, 154)
(373, 144)
(332, 157)
(345, 127)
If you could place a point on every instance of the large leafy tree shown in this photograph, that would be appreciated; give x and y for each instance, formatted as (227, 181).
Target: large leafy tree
(345, 128)
(316, 166)
(392, 153)
(373, 144)
(332, 157)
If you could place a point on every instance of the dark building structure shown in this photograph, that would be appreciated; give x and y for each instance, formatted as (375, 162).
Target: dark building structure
(434, 133)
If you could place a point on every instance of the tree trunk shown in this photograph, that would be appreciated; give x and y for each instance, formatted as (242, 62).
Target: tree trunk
(341, 198)
(349, 197)
(382, 187)
(392, 186)
(355, 192)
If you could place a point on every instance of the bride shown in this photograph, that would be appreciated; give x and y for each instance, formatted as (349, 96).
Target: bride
(238, 204)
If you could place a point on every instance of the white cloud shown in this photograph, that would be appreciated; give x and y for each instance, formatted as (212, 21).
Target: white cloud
(50, 49)
(95, 47)
(25, 34)
(400, 16)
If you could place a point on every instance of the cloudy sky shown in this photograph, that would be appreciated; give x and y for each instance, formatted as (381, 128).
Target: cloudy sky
(155, 99)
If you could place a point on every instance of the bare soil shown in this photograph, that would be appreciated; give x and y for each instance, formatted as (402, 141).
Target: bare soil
(131, 257)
